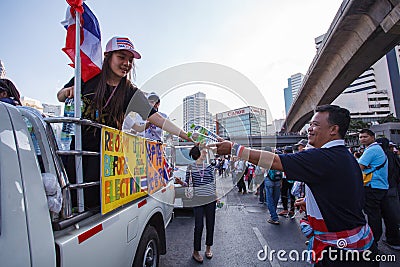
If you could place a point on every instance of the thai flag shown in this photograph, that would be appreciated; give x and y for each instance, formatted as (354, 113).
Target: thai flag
(124, 42)
(91, 55)
(167, 170)
(143, 184)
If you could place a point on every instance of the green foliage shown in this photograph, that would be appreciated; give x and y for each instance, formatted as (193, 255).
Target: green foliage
(389, 118)
(357, 125)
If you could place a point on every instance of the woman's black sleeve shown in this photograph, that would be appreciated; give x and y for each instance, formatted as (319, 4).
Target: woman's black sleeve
(139, 103)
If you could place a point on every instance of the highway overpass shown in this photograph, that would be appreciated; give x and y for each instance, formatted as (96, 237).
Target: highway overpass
(362, 32)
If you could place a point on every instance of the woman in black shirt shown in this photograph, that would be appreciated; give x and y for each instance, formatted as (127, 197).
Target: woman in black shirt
(106, 98)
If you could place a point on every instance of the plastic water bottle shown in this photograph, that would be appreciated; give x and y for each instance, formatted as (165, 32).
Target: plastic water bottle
(68, 128)
(198, 138)
(33, 136)
(202, 135)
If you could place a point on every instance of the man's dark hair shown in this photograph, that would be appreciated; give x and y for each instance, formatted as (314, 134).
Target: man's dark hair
(195, 152)
(337, 116)
(367, 131)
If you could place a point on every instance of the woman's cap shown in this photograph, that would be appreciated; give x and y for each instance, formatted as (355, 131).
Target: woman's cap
(122, 43)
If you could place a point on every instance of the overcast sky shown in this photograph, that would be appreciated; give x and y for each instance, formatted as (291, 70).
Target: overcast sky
(265, 41)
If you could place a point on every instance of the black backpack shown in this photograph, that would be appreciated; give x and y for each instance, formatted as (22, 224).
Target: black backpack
(277, 175)
(393, 163)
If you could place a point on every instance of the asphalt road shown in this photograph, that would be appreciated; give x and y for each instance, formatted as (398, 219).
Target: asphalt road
(241, 232)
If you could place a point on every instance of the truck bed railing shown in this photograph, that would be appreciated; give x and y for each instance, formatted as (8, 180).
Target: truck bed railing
(76, 152)
(72, 120)
(66, 217)
(83, 185)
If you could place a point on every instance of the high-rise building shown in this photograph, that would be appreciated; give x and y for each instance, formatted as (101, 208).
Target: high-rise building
(296, 80)
(195, 110)
(287, 94)
(2, 70)
(246, 121)
(290, 93)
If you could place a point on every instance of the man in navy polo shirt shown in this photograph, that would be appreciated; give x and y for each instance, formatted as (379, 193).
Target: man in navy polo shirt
(335, 200)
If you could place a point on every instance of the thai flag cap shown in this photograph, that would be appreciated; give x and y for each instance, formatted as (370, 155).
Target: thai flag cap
(122, 43)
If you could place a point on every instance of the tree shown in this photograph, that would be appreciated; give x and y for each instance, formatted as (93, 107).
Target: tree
(389, 118)
(357, 125)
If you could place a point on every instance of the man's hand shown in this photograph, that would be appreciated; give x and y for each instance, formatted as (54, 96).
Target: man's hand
(300, 204)
(224, 148)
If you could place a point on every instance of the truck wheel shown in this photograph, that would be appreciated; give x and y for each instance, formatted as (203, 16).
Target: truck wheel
(148, 252)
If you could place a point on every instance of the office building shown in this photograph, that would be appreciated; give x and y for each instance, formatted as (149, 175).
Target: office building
(195, 110)
(296, 81)
(246, 121)
(290, 93)
(2, 70)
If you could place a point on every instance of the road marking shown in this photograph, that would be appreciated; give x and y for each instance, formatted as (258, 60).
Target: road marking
(264, 244)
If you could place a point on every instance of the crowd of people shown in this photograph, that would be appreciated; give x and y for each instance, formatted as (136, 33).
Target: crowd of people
(344, 197)
(344, 193)
(338, 193)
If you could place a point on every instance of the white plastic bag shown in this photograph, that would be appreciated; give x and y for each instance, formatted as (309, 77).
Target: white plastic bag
(53, 192)
(189, 190)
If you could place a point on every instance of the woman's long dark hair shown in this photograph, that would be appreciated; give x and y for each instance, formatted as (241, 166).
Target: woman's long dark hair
(116, 104)
(12, 90)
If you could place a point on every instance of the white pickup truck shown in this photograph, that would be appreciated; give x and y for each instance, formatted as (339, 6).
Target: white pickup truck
(31, 235)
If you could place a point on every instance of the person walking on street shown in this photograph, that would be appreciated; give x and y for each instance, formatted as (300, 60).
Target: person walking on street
(240, 173)
(272, 182)
(205, 197)
(286, 191)
(259, 177)
(336, 199)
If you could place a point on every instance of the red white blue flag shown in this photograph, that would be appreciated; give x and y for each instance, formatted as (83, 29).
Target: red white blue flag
(90, 39)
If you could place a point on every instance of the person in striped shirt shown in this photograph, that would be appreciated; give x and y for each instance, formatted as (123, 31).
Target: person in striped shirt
(205, 199)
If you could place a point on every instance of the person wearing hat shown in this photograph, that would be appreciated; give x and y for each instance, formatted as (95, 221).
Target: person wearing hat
(106, 99)
(152, 131)
(301, 144)
(393, 148)
(9, 93)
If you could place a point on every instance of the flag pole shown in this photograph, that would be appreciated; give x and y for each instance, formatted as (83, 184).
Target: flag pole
(77, 106)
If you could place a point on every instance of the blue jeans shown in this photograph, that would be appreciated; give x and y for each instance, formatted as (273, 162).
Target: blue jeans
(272, 192)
